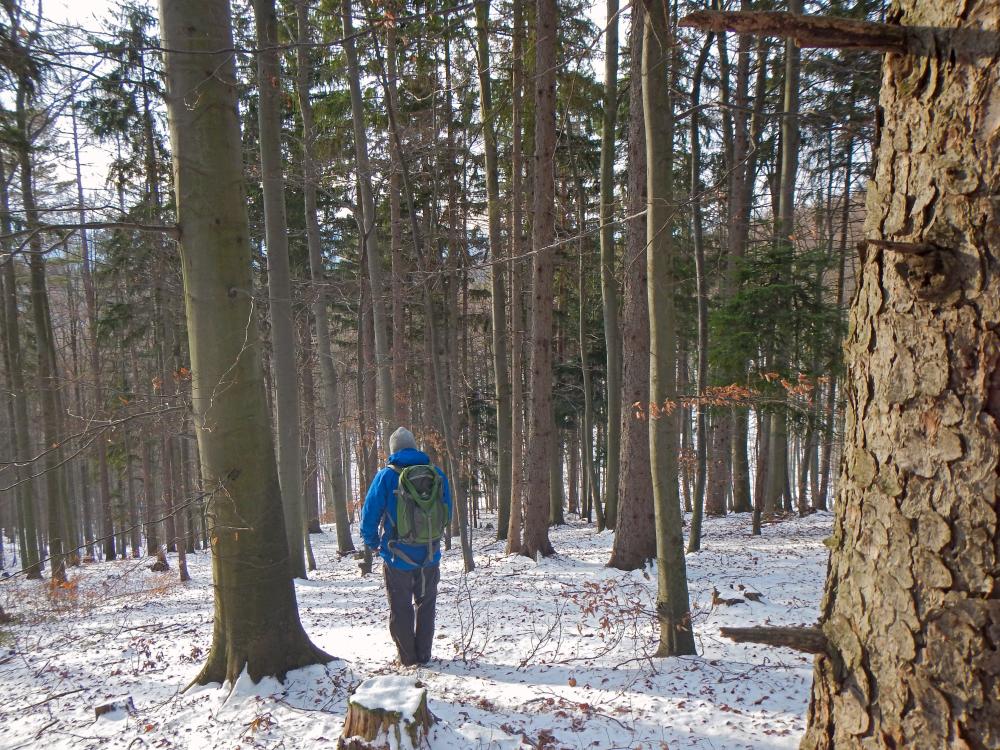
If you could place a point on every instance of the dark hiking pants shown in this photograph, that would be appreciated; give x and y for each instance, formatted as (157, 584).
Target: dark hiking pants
(412, 596)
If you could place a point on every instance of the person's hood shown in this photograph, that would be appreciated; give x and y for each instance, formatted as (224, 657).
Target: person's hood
(409, 457)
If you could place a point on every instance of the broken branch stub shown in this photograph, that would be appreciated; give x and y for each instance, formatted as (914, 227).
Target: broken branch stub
(811, 640)
(806, 30)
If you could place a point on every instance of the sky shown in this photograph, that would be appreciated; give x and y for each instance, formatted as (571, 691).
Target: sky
(89, 15)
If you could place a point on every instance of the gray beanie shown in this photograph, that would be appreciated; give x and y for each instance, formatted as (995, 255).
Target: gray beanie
(401, 439)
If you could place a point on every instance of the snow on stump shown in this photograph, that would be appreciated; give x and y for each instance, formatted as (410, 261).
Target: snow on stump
(387, 713)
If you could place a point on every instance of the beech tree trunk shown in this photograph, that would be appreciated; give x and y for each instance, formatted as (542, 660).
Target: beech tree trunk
(910, 607)
(256, 619)
(535, 539)
(672, 604)
(635, 532)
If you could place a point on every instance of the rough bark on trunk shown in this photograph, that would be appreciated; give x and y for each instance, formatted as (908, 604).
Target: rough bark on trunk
(635, 533)
(535, 539)
(910, 605)
(672, 604)
(256, 619)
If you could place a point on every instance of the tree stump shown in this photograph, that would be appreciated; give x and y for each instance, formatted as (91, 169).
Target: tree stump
(387, 712)
(161, 565)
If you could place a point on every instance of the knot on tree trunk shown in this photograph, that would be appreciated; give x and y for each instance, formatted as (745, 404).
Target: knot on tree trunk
(387, 712)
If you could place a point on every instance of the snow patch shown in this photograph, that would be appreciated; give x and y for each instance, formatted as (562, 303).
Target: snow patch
(399, 694)
(558, 652)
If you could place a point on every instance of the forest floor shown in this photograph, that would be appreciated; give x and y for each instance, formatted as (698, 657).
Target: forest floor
(554, 654)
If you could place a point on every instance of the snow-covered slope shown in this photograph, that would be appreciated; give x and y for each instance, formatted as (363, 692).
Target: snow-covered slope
(555, 652)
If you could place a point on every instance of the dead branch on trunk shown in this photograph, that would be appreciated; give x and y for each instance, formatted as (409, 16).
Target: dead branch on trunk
(807, 31)
(810, 640)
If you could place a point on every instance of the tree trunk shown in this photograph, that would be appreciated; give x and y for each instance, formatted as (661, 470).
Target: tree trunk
(512, 532)
(256, 619)
(436, 365)
(500, 373)
(310, 453)
(51, 463)
(635, 534)
(820, 502)
(104, 482)
(327, 365)
(403, 414)
(777, 480)
(535, 540)
(26, 486)
(909, 607)
(609, 285)
(743, 502)
(672, 607)
(279, 285)
(697, 236)
(369, 231)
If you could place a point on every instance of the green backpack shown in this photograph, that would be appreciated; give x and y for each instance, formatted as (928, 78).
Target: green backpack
(421, 514)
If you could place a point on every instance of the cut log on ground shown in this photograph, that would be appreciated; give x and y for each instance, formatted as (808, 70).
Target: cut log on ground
(387, 712)
(811, 640)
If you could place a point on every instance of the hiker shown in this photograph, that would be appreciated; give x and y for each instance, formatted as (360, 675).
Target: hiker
(406, 512)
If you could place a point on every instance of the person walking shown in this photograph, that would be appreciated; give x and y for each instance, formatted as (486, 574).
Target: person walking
(406, 512)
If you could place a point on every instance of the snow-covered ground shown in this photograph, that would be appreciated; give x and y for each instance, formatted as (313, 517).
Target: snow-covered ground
(555, 654)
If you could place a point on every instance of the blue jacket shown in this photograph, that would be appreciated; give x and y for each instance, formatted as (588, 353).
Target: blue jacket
(381, 501)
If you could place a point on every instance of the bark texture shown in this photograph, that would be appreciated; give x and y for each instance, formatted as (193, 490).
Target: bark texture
(256, 619)
(635, 532)
(911, 608)
(535, 539)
